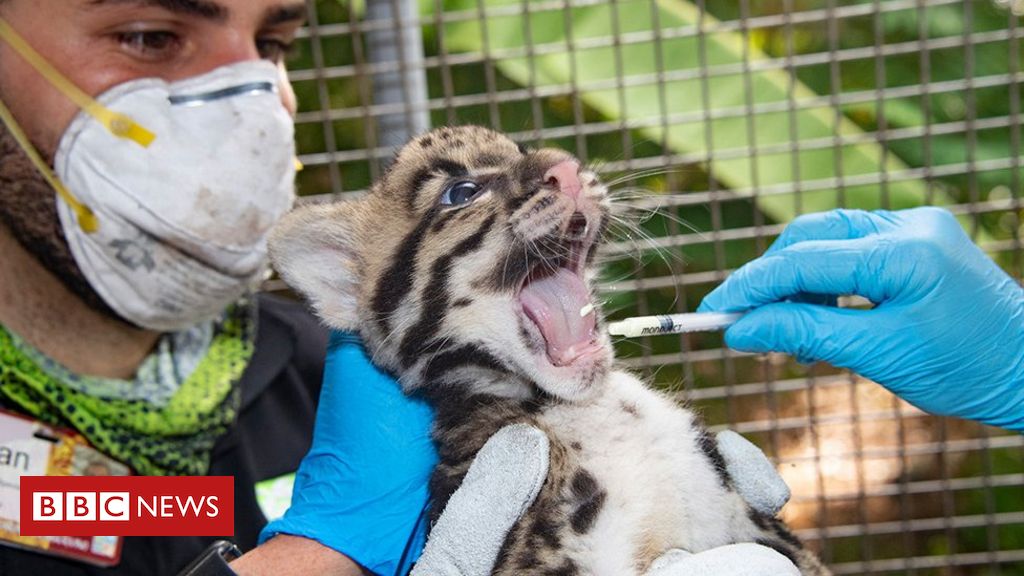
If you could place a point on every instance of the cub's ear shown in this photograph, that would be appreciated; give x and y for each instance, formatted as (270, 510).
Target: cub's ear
(314, 248)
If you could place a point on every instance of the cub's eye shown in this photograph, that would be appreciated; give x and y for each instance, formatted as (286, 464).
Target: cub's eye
(460, 193)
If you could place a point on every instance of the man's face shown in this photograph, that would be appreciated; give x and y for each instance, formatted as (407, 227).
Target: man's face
(98, 44)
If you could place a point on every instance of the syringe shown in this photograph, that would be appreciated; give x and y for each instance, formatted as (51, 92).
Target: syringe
(673, 324)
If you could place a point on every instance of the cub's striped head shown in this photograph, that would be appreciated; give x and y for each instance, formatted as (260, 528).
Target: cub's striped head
(469, 264)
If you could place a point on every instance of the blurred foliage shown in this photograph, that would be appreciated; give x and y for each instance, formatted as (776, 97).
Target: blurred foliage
(731, 99)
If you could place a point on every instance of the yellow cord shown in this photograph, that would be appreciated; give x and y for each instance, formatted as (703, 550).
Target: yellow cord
(118, 124)
(85, 216)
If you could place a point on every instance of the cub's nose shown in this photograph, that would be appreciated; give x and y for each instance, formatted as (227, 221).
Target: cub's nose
(565, 176)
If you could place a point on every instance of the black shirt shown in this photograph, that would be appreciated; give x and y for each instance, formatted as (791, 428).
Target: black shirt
(273, 432)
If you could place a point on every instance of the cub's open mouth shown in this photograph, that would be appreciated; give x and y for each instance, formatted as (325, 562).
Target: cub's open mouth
(554, 296)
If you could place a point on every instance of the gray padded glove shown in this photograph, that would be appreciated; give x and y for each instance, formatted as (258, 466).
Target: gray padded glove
(733, 560)
(509, 471)
(761, 486)
(753, 475)
(501, 484)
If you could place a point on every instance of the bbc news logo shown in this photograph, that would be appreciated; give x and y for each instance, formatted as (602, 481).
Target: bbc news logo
(127, 506)
(82, 506)
(116, 506)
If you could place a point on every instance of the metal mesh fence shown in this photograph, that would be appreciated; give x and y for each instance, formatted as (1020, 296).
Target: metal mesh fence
(721, 121)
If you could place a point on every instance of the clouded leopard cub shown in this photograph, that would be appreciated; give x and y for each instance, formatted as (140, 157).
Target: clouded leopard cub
(468, 272)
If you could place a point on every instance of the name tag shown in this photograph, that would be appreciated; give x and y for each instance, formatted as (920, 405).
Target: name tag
(31, 448)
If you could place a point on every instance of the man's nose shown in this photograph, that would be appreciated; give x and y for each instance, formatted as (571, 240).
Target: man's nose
(228, 47)
(237, 49)
(565, 176)
(284, 87)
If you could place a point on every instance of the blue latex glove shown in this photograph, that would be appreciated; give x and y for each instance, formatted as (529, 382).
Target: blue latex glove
(947, 332)
(362, 488)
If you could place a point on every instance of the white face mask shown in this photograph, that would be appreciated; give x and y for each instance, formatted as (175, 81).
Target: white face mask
(181, 214)
(183, 222)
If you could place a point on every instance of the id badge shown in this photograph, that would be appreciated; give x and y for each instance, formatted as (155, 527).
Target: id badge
(31, 448)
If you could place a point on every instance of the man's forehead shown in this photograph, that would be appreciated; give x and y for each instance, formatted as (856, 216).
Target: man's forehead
(217, 10)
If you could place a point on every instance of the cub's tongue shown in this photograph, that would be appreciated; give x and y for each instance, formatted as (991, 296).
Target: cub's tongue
(554, 304)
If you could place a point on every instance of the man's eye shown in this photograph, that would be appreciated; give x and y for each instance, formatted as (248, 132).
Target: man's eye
(460, 193)
(150, 44)
(275, 51)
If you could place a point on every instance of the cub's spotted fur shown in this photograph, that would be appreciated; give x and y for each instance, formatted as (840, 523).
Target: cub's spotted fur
(465, 270)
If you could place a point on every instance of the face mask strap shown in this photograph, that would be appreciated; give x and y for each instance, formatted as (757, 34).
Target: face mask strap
(84, 215)
(118, 124)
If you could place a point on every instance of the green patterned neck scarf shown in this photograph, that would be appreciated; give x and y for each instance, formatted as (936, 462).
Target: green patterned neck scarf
(173, 439)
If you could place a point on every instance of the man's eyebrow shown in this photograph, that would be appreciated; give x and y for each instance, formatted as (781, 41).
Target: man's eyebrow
(206, 9)
(285, 14)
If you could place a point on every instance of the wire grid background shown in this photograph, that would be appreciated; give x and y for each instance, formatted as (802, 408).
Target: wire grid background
(726, 120)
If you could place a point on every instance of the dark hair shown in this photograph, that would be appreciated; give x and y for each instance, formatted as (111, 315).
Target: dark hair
(29, 212)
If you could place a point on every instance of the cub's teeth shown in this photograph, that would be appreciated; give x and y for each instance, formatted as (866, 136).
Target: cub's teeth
(586, 310)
